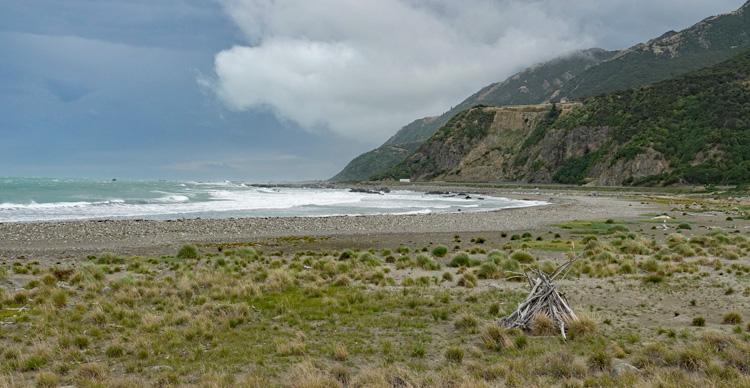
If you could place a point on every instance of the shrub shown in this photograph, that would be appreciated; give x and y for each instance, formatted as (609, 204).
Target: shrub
(454, 354)
(522, 257)
(684, 226)
(732, 318)
(699, 321)
(188, 252)
(440, 251)
(347, 254)
(447, 276)
(653, 279)
(427, 263)
(460, 260)
(488, 270)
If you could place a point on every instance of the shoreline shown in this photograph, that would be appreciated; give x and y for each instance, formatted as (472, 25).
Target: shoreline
(78, 238)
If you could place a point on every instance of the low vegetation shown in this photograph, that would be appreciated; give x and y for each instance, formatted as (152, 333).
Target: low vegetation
(652, 311)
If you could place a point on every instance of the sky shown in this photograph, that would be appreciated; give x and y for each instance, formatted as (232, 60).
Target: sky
(269, 90)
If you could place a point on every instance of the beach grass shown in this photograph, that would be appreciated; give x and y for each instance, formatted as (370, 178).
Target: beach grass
(655, 309)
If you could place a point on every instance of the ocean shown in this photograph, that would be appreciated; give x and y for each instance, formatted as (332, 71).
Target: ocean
(39, 199)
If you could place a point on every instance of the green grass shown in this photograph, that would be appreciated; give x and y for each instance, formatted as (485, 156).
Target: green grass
(593, 227)
(351, 314)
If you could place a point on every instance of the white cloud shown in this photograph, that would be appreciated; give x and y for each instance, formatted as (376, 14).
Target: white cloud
(364, 68)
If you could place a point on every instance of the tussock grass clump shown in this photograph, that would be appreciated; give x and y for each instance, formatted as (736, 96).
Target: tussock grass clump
(496, 338)
(440, 251)
(693, 359)
(584, 326)
(188, 252)
(462, 260)
(732, 318)
(600, 360)
(454, 354)
(522, 257)
(543, 325)
(115, 351)
(561, 365)
(306, 375)
(489, 270)
(634, 248)
(340, 352)
(342, 281)
(699, 321)
(60, 298)
(653, 278)
(466, 322)
(278, 280)
(292, 347)
(46, 379)
(467, 280)
(426, 262)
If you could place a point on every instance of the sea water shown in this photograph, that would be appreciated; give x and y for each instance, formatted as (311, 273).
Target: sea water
(38, 199)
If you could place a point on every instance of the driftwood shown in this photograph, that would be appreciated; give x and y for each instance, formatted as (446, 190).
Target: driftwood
(544, 299)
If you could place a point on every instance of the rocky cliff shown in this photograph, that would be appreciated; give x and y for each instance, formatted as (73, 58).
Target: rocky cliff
(691, 129)
(536, 84)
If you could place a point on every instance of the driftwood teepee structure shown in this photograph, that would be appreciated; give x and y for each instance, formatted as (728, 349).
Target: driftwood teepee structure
(543, 299)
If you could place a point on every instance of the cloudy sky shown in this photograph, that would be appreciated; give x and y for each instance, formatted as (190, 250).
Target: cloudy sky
(269, 90)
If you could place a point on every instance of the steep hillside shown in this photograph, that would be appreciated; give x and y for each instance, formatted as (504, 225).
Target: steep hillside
(692, 129)
(533, 85)
(710, 41)
(582, 74)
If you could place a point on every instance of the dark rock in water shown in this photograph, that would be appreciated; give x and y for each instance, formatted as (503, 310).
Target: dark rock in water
(437, 192)
(364, 191)
(385, 190)
(467, 197)
(480, 198)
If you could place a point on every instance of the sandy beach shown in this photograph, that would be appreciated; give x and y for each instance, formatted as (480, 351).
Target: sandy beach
(77, 238)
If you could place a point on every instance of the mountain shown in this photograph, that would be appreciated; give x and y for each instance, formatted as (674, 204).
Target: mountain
(691, 129)
(708, 42)
(534, 85)
(576, 76)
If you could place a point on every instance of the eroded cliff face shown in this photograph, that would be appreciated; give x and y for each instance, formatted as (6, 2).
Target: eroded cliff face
(499, 144)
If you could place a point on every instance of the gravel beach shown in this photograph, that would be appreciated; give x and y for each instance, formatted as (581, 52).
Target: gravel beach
(76, 238)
